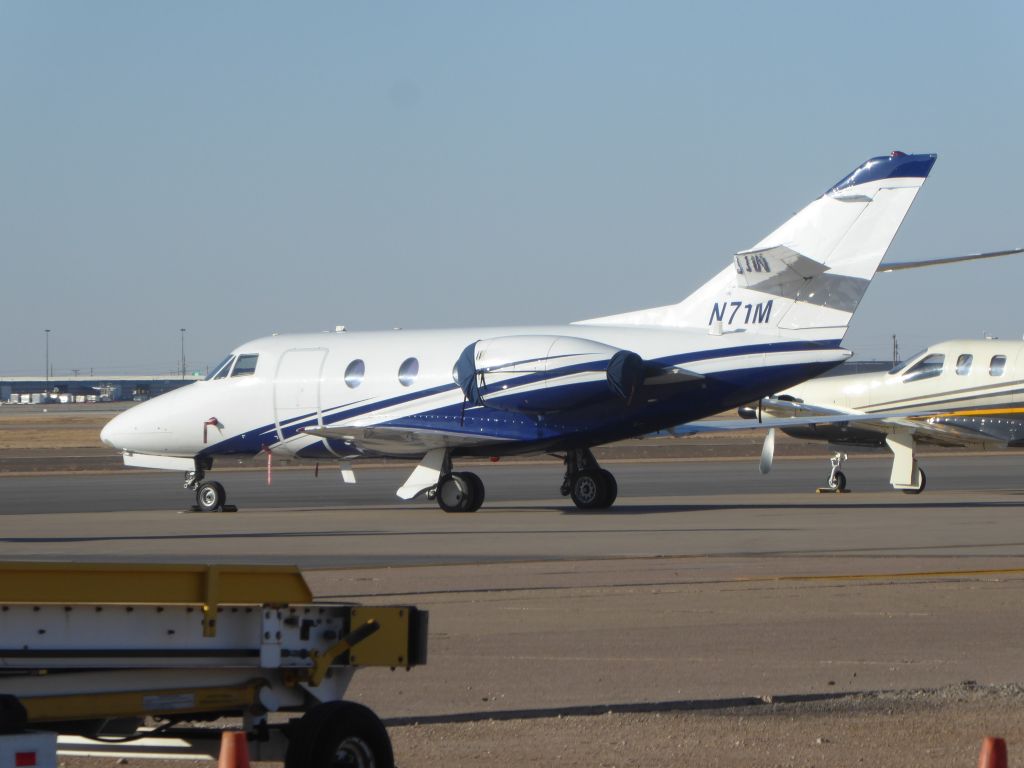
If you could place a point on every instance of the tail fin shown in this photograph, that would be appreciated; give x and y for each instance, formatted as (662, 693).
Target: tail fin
(807, 277)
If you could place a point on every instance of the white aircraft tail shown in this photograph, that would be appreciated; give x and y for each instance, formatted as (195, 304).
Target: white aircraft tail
(805, 279)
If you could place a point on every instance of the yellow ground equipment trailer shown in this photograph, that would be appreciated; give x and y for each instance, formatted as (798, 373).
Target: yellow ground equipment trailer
(150, 659)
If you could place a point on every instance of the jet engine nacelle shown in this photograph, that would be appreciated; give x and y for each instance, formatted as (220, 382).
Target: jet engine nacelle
(536, 373)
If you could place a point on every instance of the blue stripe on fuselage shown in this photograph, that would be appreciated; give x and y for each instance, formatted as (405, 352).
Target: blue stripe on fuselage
(611, 416)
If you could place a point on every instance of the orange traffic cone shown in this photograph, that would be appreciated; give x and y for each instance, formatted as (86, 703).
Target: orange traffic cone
(993, 753)
(234, 750)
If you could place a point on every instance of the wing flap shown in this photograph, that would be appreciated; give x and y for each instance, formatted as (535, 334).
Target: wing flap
(399, 440)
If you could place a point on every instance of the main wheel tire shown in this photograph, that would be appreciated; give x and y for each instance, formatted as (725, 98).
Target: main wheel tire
(339, 734)
(455, 493)
(611, 488)
(837, 481)
(451, 493)
(915, 491)
(589, 489)
(476, 490)
(210, 496)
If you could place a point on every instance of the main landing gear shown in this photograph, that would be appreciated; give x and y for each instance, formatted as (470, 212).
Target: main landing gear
(457, 491)
(915, 491)
(210, 495)
(590, 486)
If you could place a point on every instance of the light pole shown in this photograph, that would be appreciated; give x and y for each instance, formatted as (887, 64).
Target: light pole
(47, 355)
(183, 353)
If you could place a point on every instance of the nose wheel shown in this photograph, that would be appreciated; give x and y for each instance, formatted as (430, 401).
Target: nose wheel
(836, 478)
(210, 495)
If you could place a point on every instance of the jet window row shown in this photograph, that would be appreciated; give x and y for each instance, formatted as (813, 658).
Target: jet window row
(932, 365)
(407, 372)
(245, 365)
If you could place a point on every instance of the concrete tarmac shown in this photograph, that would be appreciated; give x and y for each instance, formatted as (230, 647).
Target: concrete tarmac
(704, 583)
(707, 507)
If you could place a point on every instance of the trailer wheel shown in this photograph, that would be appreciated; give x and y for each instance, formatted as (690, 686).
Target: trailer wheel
(13, 718)
(339, 734)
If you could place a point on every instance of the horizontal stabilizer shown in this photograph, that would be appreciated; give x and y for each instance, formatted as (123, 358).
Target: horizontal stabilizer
(895, 266)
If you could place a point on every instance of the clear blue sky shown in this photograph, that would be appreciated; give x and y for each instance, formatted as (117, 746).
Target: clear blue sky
(239, 168)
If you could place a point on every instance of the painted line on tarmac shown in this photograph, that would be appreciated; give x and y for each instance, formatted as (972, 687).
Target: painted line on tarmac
(895, 575)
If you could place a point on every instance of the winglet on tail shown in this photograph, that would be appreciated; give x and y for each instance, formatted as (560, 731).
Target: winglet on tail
(806, 278)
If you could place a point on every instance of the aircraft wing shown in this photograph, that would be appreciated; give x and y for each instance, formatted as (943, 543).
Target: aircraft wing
(926, 425)
(735, 425)
(923, 425)
(399, 440)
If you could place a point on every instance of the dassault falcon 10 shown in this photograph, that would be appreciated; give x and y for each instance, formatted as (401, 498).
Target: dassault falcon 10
(775, 316)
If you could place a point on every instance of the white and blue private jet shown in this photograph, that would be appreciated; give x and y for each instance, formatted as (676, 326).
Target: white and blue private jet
(775, 316)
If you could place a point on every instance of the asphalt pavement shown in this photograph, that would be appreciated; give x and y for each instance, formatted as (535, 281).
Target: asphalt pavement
(971, 505)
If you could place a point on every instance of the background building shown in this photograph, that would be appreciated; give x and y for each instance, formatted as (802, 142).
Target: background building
(86, 389)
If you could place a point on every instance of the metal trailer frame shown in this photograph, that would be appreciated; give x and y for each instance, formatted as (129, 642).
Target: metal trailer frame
(94, 650)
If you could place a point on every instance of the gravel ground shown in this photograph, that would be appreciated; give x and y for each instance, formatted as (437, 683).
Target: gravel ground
(904, 729)
(935, 728)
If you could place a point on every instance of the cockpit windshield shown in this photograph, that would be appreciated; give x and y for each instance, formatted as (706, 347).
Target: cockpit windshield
(925, 368)
(246, 365)
(900, 366)
(220, 370)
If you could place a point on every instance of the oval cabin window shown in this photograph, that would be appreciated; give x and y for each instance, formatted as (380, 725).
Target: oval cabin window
(354, 373)
(408, 370)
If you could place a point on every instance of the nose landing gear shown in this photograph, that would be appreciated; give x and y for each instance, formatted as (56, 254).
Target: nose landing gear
(836, 478)
(210, 495)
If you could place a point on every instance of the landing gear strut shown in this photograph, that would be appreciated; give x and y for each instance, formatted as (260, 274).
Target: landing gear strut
(210, 495)
(590, 486)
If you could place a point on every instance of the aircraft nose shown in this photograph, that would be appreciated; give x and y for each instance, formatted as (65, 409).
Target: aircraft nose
(111, 429)
(131, 430)
(155, 426)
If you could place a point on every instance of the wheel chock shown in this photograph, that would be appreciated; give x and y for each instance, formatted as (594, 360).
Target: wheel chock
(826, 489)
(234, 750)
(993, 753)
